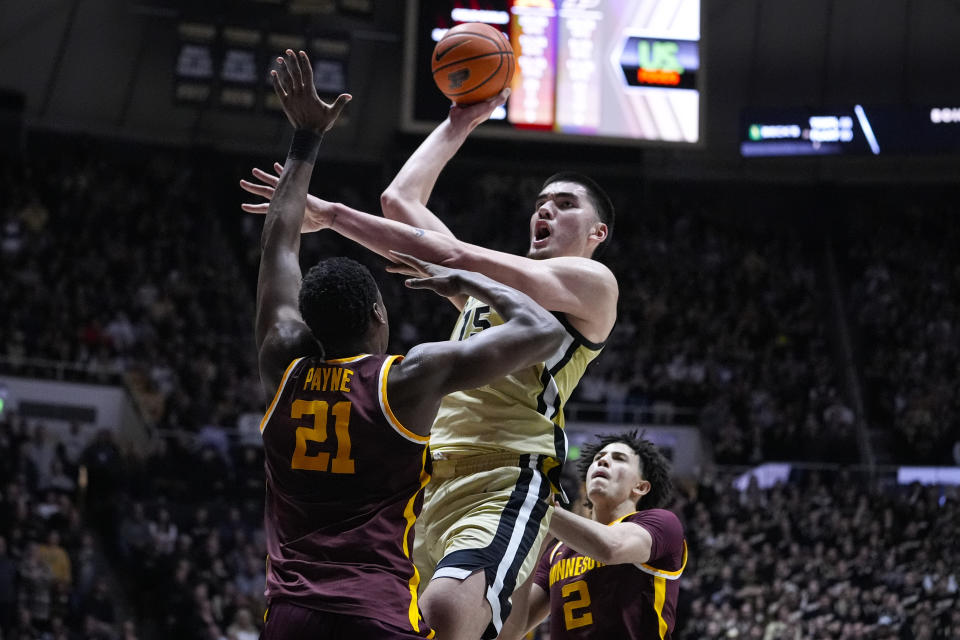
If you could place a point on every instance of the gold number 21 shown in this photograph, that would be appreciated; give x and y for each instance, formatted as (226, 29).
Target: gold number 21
(342, 463)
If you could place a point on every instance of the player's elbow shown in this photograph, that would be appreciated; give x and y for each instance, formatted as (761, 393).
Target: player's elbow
(393, 202)
(621, 550)
(611, 551)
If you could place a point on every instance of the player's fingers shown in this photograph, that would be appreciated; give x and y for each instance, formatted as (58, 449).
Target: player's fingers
(419, 283)
(257, 189)
(339, 104)
(406, 258)
(287, 74)
(306, 69)
(259, 209)
(404, 270)
(278, 168)
(278, 85)
(266, 178)
(293, 68)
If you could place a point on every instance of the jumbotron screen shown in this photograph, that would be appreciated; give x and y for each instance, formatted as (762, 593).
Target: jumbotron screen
(622, 70)
(850, 130)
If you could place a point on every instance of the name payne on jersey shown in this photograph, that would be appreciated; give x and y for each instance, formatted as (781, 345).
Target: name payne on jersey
(328, 379)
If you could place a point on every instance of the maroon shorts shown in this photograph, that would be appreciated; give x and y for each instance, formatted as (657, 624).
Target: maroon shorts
(286, 621)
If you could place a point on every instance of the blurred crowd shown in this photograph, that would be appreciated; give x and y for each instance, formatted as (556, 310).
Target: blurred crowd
(822, 556)
(55, 583)
(905, 307)
(133, 266)
(120, 265)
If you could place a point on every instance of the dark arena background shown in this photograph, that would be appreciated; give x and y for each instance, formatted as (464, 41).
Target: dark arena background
(787, 182)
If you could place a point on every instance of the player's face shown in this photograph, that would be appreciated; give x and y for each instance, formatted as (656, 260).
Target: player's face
(563, 222)
(613, 474)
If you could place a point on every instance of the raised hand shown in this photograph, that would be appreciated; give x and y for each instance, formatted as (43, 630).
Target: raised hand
(298, 95)
(471, 115)
(317, 214)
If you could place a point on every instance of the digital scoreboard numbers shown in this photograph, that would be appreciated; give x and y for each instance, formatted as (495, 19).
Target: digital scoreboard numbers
(624, 70)
(533, 28)
(854, 130)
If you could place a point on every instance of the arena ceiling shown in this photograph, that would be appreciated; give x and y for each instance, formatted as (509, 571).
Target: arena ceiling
(106, 66)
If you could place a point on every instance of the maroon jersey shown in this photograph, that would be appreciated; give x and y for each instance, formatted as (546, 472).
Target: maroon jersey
(344, 486)
(637, 601)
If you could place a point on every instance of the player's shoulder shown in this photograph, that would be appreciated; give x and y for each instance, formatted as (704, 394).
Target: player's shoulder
(662, 519)
(580, 263)
(590, 271)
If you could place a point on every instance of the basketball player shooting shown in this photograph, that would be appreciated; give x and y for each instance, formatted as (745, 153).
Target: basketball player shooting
(474, 547)
(346, 435)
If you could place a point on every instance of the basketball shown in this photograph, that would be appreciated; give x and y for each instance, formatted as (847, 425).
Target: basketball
(472, 63)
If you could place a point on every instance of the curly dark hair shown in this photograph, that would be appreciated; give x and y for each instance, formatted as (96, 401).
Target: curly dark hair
(601, 202)
(336, 297)
(654, 466)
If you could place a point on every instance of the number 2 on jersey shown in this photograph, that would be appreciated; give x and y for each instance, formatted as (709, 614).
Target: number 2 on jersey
(342, 463)
(581, 602)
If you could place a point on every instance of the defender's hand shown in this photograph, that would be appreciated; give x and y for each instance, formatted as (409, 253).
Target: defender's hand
(298, 95)
(318, 213)
(426, 275)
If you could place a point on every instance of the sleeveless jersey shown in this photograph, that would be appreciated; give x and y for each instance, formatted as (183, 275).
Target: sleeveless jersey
(522, 412)
(626, 601)
(345, 484)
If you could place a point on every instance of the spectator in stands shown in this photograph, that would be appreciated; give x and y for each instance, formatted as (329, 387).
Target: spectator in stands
(8, 588)
(163, 533)
(54, 557)
(242, 627)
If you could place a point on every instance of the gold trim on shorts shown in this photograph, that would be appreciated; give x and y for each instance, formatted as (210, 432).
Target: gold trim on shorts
(445, 468)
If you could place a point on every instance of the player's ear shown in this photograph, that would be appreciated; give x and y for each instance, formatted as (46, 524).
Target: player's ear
(378, 313)
(599, 232)
(641, 489)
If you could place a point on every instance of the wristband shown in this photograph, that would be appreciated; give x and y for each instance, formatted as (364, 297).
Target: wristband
(305, 145)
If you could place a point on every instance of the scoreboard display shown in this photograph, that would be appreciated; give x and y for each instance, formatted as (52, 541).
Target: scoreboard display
(851, 130)
(229, 66)
(620, 70)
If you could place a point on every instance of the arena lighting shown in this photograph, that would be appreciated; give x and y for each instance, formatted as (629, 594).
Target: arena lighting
(945, 115)
(929, 475)
(461, 14)
(867, 130)
(768, 475)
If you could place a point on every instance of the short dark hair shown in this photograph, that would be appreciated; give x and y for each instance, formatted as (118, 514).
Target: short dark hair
(598, 197)
(654, 466)
(336, 298)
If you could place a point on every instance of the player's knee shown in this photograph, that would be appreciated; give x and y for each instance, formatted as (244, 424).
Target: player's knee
(452, 605)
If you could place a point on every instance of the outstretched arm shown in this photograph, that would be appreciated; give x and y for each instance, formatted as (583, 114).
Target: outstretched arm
(528, 335)
(582, 288)
(406, 197)
(620, 543)
(281, 333)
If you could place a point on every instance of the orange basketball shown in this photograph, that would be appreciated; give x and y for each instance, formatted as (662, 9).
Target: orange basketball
(472, 63)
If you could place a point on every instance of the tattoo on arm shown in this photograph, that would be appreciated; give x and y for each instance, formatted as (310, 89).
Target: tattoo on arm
(418, 232)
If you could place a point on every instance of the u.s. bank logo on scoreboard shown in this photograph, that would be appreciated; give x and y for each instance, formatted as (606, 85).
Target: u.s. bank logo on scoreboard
(666, 63)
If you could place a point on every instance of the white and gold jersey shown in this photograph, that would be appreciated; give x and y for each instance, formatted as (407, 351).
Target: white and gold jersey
(522, 412)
